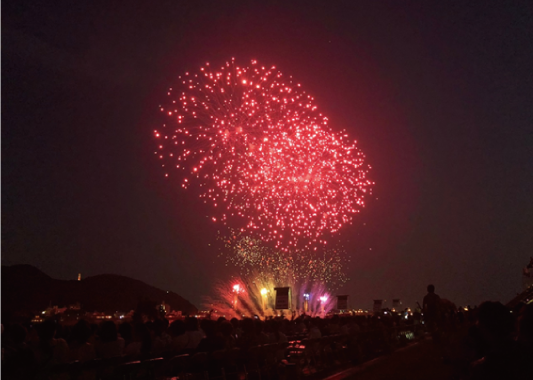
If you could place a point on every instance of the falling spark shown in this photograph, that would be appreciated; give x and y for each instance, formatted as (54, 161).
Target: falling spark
(255, 259)
(259, 150)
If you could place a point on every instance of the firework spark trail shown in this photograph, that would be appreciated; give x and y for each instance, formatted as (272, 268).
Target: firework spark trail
(262, 153)
(257, 297)
(254, 259)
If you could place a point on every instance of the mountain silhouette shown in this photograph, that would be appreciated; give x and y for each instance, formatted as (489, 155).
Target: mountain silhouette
(26, 289)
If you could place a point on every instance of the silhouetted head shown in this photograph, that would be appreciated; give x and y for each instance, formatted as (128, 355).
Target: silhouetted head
(259, 326)
(495, 319)
(150, 326)
(46, 331)
(81, 331)
(159, 326)
(126, 331)
(275, 326)
(248, 326)
(209, 327)
(191, 324)
(226, 328)
(177, 328)
(17, 334)
(141, 332)
(525, 324)
(235, 322)
(108, 331)
(431, 288)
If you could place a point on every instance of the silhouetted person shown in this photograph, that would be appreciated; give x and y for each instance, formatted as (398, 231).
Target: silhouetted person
(213, 341)
(504, 358)
(249, 336)
(80, 348)
(178, 335)
(314, 329)
(19, 361)
(160, 339)
(110, 344)
(525, 327)
(141, 332)
(194, 335)
(126, 332)
(237, 330)
(50, 351)
(277, 335)
(141, 343)
(431, 306)
(262, 337)
(226, 330)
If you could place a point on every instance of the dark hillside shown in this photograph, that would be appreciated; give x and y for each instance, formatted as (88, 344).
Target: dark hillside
(27, 289)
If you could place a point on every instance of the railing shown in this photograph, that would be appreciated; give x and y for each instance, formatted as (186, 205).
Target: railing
(330, 353)
(296, 359)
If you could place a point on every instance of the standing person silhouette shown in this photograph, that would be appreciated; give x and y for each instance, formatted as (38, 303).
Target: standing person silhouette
(431, 309)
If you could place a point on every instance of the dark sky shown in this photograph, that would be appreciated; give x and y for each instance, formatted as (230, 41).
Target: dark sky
(439, 96)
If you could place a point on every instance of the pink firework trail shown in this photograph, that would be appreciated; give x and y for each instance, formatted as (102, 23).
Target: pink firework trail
(261, 153)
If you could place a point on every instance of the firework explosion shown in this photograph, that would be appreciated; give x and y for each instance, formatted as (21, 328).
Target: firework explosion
(246, 297)
(256, 260)
(259, 150)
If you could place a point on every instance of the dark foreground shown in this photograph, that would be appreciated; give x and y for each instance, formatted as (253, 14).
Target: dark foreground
(422, 360)
(487, 343)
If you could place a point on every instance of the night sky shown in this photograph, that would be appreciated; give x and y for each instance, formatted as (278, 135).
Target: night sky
(439, 96)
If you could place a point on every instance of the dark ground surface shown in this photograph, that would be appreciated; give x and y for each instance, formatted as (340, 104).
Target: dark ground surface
(419, 361)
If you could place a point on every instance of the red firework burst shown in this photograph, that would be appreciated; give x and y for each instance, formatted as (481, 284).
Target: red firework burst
(262, 154)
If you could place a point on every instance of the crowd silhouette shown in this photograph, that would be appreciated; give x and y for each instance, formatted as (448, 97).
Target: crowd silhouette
(489, 341)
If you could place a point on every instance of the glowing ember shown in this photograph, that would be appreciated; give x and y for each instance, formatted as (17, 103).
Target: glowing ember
(252, 257)
(257, 297)
(262, 154)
